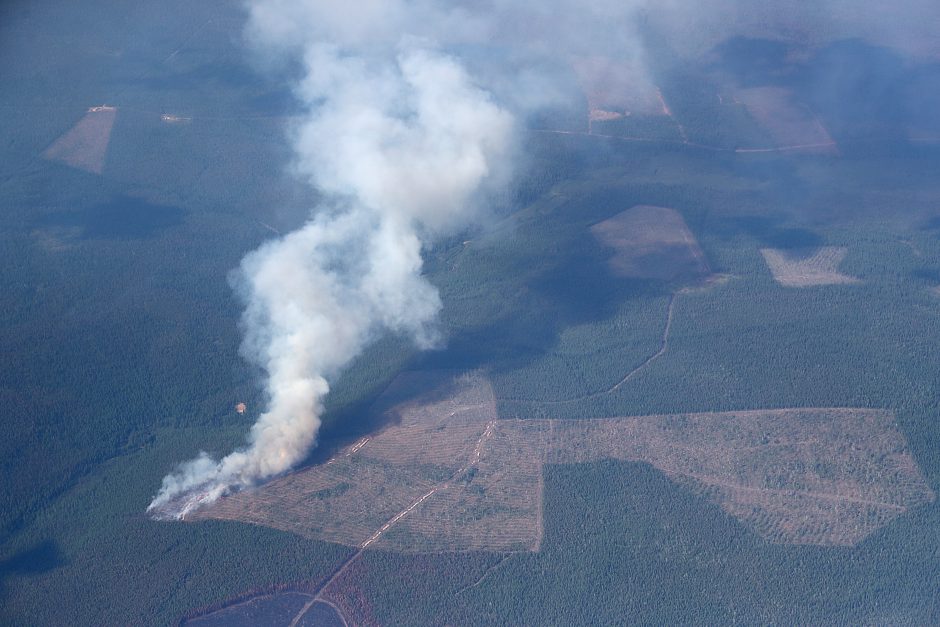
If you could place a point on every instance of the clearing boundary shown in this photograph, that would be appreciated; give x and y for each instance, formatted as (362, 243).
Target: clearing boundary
(85, 145)
(450, 476)
(807, 267)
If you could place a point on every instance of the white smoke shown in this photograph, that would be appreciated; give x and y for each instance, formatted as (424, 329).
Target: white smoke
(401, 145)
(400, 140)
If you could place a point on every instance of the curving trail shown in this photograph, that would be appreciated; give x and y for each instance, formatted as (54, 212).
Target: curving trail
(663, 347)
(474, 459)
(310, 604)
(485, 574)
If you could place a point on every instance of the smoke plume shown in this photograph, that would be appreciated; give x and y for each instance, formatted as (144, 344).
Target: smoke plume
(402, 139)
(401, 142)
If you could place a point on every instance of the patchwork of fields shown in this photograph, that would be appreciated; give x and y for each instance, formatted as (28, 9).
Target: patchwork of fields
(448, 475)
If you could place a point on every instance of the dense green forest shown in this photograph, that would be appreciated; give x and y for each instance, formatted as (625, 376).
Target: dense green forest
(120, 339)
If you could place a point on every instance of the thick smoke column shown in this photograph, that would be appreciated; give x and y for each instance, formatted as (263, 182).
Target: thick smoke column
(401, 142)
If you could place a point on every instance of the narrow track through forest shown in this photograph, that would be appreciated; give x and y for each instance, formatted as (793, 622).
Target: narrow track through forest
(663, 347)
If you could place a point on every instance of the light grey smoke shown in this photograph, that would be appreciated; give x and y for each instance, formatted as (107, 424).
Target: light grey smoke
(401, 144)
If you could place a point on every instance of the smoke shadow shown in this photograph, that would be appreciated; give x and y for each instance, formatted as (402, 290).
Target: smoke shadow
(122, 218)
(753, 62)
(255, 93)
(771, 233)
(572, 287)
(932, 224)
(379, 410)
(219, 72)
(39, 559)
(859, 90)
(929, 276)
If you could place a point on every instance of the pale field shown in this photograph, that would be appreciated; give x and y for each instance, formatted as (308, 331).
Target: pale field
(617, 88)
(651, 243)
(85, 145)
(447, 475)
(799, 268)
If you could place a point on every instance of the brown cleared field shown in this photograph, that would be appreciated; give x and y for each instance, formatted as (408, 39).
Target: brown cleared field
(791, 124)
(651, 243)
(807, 267)
(441, 478)
(85, 145)
(446, 475)
(615, 89)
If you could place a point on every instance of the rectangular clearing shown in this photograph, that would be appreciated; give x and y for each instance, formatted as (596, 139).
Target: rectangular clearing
(85, 145)
(617, 88)
(793, 125)
(803, 267)
(652, 243)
